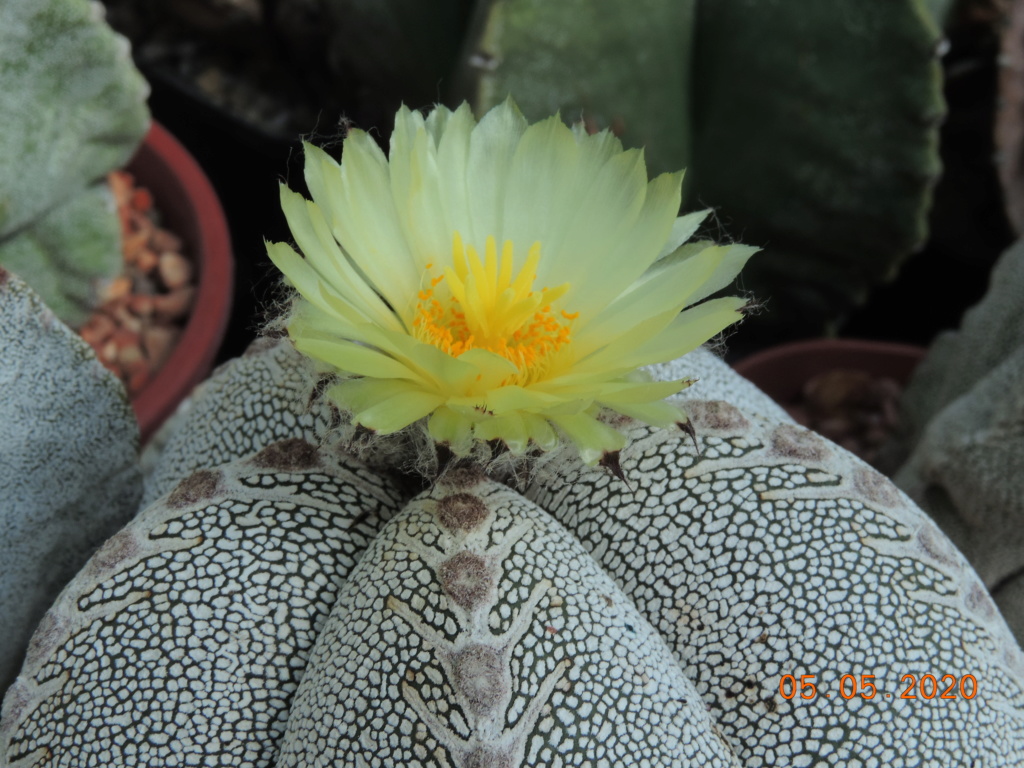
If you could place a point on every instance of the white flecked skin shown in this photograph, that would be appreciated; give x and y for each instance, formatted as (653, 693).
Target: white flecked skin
(773, 552)
(477, 632)
(59, 408)
(182, 640)
(247, 404)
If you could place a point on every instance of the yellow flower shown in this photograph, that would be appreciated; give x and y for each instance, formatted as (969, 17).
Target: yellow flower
(503, 281)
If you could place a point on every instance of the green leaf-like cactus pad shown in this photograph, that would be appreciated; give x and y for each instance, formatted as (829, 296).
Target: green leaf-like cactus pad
(624, 66)
(816, 134)
(67, 253)
(73, 104)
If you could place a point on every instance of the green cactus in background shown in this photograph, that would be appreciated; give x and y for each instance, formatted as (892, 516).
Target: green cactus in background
(626, 66)
(812, 127)
(74, 109)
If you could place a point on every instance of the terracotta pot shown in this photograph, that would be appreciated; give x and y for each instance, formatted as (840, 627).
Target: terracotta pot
(782, 371)
(189, 207)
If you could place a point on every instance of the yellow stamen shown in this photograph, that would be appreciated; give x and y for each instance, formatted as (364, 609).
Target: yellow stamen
(489, 307)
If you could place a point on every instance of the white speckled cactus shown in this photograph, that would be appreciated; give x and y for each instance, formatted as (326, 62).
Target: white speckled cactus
(237, 621)
(74, 109)
(68, 475)
(297, 595)
(964, 441)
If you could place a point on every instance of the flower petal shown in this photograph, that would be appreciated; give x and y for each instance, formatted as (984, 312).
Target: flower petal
(683, 229)
(384, 406)
(626, 393)
(453, 168)
(658, 414)
(451, 428)
(631, 253)
(540, 431)
(510, 428)
(492, 146)
(688, 331)
(541, 190)
(367, 224)
(734, 258)
(354, 358)
(667, 286)
(311, 232)
(593, 438)
(415, 191)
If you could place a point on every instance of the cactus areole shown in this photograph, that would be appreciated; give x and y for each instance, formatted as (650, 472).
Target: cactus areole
(290, 599)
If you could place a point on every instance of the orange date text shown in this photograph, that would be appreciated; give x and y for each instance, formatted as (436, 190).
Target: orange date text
(864, 687)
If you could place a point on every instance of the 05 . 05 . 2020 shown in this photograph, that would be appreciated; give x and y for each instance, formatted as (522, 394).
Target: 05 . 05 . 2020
(850, 686)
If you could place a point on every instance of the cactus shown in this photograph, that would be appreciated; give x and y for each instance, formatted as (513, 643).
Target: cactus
(628, 67)
(68, 476)
(813, 128)
(321, 579)
(962, 444)
(767, 553)
(75, 108)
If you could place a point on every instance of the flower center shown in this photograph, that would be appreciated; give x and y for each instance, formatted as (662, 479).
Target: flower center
(479, 304)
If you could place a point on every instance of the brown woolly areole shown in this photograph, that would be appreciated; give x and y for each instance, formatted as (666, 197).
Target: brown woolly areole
(289, 455)
(461, 512)
(197, 487)
(467, 580)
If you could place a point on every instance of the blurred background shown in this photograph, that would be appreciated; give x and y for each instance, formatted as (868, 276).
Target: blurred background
(854, 141)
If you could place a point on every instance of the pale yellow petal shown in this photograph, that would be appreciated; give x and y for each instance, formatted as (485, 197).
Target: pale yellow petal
(509, 428)
(492, 146)
(666, 287)
(323, 255)
(514, 398)
(625, 393)
(450, 428)
(593, 438)
(395, 413)
(683, 228)
(307, 282)
(354, 359)
(367, 225)
(592, 232)
(636, 249)
(453, 169)
(658, 414)
(688, 331)
(541, 191)
(414, 188)
(355, 395)
(540, 431)
(323, 177)
(733, 260)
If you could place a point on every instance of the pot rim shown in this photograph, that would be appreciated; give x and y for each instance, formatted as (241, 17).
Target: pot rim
(185, 197)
